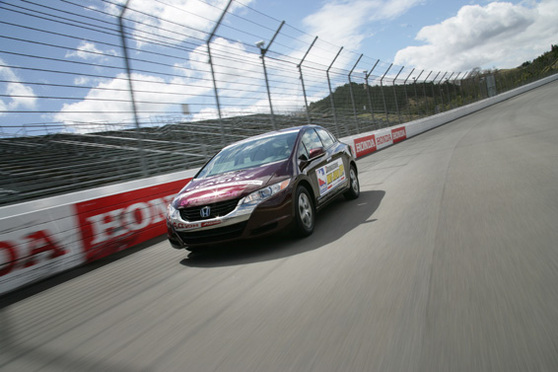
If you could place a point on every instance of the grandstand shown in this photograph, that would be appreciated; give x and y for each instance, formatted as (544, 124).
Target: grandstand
(33, 167)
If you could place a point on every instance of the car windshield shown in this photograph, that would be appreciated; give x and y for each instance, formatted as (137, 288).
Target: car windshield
(250, 154)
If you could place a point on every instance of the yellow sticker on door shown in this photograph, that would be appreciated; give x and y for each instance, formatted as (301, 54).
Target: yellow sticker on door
(330, 176)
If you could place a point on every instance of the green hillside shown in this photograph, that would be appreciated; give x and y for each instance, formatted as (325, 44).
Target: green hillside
(418, 99)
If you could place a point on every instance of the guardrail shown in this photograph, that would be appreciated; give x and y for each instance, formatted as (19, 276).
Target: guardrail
(44, 237)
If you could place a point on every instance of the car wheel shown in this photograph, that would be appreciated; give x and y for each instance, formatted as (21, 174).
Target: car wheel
(354, 187)
(304, 212)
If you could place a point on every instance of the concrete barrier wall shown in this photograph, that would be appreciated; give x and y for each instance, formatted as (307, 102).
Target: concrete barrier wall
(41, 238)
(44, 237)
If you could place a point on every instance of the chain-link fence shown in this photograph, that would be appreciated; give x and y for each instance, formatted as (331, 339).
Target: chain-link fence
(97, 92)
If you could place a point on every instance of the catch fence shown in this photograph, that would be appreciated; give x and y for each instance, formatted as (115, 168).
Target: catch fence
(98, 92)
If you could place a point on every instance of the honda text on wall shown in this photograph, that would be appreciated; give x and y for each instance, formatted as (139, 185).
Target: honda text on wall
(261, 185)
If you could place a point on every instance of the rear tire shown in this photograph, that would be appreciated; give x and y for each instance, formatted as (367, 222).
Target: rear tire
(354, 187)
(304, 213)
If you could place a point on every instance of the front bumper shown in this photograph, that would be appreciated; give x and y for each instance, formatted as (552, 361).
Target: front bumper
(266, 218)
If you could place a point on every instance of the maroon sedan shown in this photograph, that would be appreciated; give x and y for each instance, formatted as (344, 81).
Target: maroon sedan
(261, 185)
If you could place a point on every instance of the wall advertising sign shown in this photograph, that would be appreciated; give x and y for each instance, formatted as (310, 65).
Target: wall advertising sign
(398, 134)
(116, 222)
(37, 245)
(365, 145)
(383, 140)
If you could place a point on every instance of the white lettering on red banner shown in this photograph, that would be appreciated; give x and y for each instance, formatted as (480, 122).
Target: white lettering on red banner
(32, 249)
(398, 134)
(365, 145)
(135, 217)
(116, 222)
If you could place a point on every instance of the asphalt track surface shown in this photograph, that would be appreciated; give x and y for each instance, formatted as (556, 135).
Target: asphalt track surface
(447, 262)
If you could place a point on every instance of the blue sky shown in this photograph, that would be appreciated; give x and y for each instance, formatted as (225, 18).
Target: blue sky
(457, 35)
(86, 82)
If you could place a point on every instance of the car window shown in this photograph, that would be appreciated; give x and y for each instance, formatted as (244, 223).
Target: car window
(325, 137)
(250, 154)
(311, 140)
(302, 150)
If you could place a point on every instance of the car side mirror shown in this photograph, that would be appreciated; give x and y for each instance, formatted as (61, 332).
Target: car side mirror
(302, 161)
(316, 153)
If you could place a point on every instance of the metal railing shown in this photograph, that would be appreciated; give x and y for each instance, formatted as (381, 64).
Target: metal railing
(109, 92)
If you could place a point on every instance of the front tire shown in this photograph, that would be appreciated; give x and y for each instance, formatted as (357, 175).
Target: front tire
(304, 212)
(354, 187)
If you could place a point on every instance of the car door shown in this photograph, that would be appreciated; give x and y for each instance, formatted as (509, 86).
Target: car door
(336, 163)
(324, 168)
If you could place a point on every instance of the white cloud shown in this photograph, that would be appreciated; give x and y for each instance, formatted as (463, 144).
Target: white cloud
(498, 35)
(344, 22)
(109, 101)
(84, 80)
(89, 51)
(174, 21)
(20, 95)
(228, 59)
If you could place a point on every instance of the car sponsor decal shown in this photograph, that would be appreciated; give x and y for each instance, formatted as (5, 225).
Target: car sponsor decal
(194, 225)
(201, 194)
(209, 196)
(211, 185)
(330, 176)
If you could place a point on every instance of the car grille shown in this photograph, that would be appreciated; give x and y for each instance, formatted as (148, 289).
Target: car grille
(217, 210)
(213, 235)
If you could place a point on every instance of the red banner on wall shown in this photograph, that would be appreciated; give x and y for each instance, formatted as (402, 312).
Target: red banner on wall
(398, 134)
(365, 145)
(116, 222)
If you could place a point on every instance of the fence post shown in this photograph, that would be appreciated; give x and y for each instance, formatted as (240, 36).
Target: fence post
(406, 96)
(464, 81)
(143, 164)
(383, 95)
(208, 42)
(434, 93)
(395, 94)
(441, 89)
(416, 94)
(302, 81)
(331, 93)
(352, 94)
(424, 92)
(449, 94)
(460, 90)
(263, 51)
(366, 76)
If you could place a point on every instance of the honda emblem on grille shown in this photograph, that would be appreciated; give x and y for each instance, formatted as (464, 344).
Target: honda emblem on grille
(205, 212)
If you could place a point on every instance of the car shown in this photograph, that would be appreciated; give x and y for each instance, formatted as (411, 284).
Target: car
(261, 185)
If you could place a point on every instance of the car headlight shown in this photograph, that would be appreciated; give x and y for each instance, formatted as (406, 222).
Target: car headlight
(172, 212)
(263, 194)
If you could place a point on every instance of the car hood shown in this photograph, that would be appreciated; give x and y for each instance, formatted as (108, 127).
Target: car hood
(228, 186)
